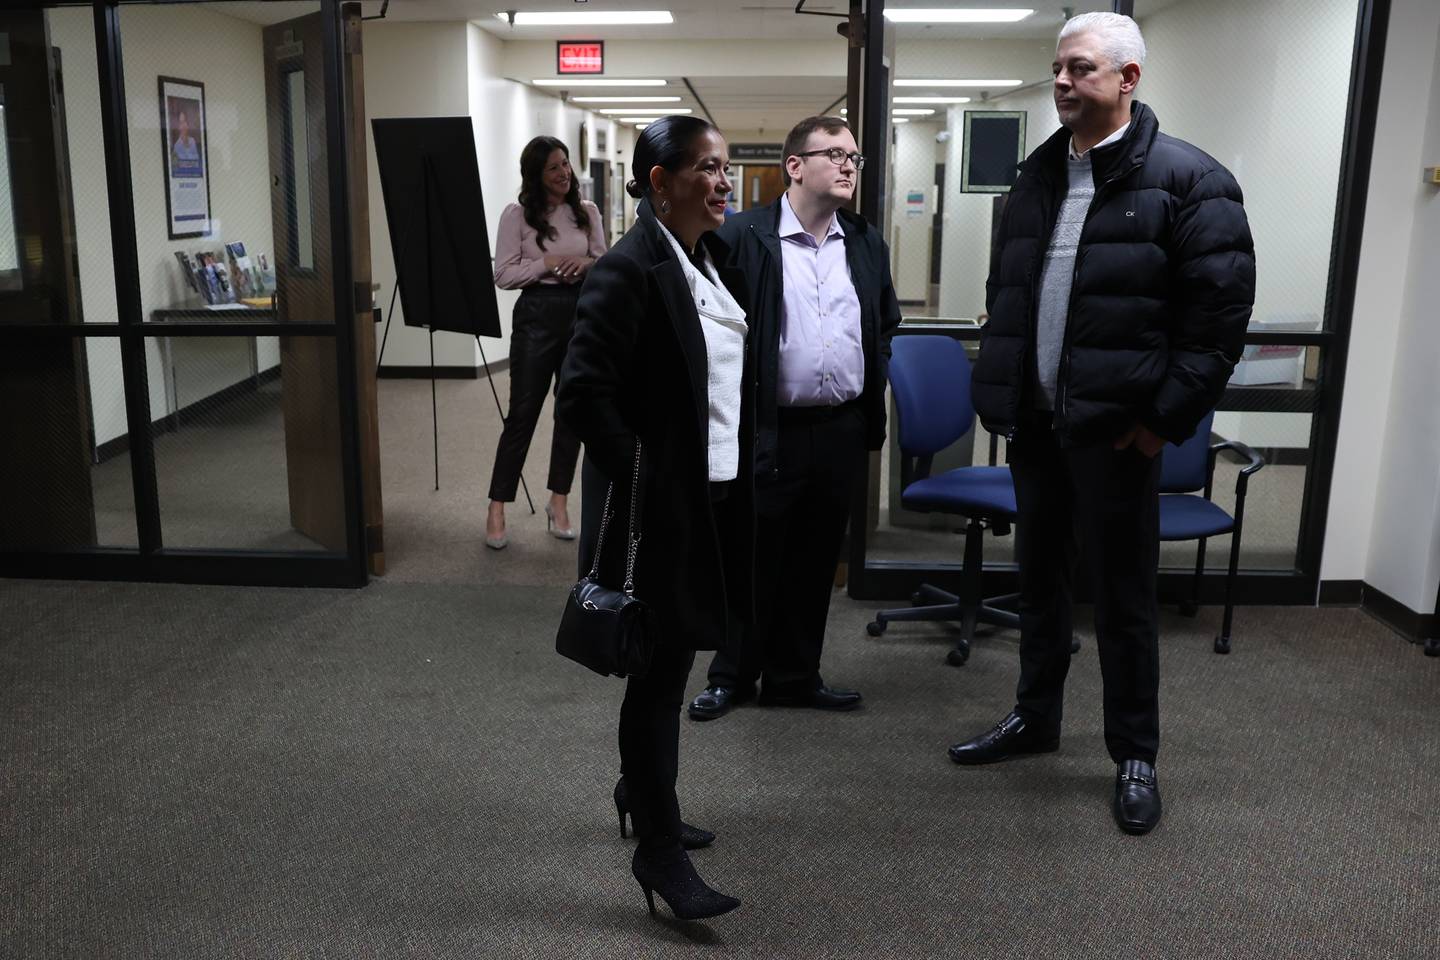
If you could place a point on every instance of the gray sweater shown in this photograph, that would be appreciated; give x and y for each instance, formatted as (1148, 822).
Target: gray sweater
(1057, 274)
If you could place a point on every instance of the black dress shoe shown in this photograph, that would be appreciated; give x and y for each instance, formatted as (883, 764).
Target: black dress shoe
(818, 698)
(1137, 797)
(691, 837)
(1008, 738)
(715, 702)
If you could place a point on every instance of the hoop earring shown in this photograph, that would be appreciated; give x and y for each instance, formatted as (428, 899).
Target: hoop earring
(664, 207)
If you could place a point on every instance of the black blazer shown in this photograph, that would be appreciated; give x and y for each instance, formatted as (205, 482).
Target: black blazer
(754, 239)
(636, 366)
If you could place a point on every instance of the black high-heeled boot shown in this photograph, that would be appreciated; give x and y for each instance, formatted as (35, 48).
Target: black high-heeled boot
(672, 875)
(691, 838)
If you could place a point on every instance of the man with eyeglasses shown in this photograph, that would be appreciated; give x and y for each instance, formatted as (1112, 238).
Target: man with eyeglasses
(822, 311)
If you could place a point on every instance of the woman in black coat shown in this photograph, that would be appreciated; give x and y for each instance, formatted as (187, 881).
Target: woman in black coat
(658, 356)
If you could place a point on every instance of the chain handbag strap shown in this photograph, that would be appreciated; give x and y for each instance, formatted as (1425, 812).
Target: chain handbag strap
(632, 535)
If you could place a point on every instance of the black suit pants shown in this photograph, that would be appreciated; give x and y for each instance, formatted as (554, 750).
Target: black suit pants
(1102, 505)
(800, 525)
(538, 338)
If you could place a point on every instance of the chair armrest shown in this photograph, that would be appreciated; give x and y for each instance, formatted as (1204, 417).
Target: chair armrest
(1253, 465)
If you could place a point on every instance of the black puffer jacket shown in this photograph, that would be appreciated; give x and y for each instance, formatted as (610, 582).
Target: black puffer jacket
(1163, 288)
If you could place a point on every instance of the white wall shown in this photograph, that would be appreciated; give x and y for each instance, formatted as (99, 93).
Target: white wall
(225, 54)
(414, 70)
(1384, 522)
(1279, 130)
(527, 59)
(913, 171)
(965, 247)
(454, 69)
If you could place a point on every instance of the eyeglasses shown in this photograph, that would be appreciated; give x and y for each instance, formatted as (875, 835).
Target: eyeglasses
(836, 156)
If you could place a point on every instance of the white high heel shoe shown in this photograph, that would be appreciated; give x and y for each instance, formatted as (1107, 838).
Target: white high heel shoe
(559, 533)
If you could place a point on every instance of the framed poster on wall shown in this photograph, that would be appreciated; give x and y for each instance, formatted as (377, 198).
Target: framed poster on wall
(994, 146)
(186, 162)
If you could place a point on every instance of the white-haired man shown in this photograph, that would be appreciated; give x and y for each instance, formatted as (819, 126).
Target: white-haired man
(1120, 287)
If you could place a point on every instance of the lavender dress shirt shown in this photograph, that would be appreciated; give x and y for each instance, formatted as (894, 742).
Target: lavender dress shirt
(822, 361)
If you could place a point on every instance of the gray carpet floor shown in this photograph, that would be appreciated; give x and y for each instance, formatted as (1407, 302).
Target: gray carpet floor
(409, 770)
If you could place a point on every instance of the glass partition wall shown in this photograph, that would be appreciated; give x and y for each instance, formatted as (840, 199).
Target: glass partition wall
(1276, 93)
(174, 258)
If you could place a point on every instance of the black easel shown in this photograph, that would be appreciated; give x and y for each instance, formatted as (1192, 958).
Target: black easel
(428, 180)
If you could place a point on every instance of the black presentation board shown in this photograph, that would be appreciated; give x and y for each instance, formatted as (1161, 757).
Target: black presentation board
(994, 146)
(431, 184)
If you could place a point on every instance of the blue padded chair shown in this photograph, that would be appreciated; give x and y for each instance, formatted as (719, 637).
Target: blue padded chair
(1184, 515)
(930, 381)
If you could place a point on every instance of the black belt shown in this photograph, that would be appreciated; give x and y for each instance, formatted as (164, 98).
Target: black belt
(818, 414)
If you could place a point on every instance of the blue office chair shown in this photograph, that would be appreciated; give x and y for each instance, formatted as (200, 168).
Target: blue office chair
(930, 381)
(1189, 467)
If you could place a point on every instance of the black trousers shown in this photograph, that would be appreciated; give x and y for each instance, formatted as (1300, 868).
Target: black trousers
(1102, 505)
(650, 714)
(650, 745)
(538, 338)
(800, 525)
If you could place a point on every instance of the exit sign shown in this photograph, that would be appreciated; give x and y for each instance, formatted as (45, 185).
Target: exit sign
(572, 57)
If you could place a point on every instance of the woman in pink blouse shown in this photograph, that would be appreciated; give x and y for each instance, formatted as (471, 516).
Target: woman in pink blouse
(545, 245)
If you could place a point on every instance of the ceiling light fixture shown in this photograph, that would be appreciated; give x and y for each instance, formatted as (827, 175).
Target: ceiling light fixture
(638, 119)
(911, 112)
(984, 84)
(954, 15)
(568, 83)
(900, 120)
(932, 100)
(624, 99)
(587, 18)
(658, 111)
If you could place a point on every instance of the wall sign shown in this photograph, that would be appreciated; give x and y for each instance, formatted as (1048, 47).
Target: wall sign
(186, 164)
(756, 151)
(579, 57)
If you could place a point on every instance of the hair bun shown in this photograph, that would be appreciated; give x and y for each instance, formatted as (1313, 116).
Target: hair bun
(633, 188)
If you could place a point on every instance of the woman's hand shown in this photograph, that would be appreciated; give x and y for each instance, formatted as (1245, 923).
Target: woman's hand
(568, 269)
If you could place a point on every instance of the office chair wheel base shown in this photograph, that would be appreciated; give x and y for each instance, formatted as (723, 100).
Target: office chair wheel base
(917, 599)
(1222, 644)
(1189, 609)
(957, 657)
(875, 628)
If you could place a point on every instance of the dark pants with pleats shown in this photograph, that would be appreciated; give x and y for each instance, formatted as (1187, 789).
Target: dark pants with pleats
(650, 724)
(538, 338)
(1101, 506)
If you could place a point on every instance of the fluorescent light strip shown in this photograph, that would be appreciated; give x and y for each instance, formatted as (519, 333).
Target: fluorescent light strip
(900, 120)
(953, 15)
(583, 82)
(599, 18)
(654, 110)
(624, 99)
(984, 84)
(928, 100)
(912, 113)
(641, 126)
(638, 119)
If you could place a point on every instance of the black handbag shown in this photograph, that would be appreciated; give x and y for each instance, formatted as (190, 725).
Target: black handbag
(609, 630)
